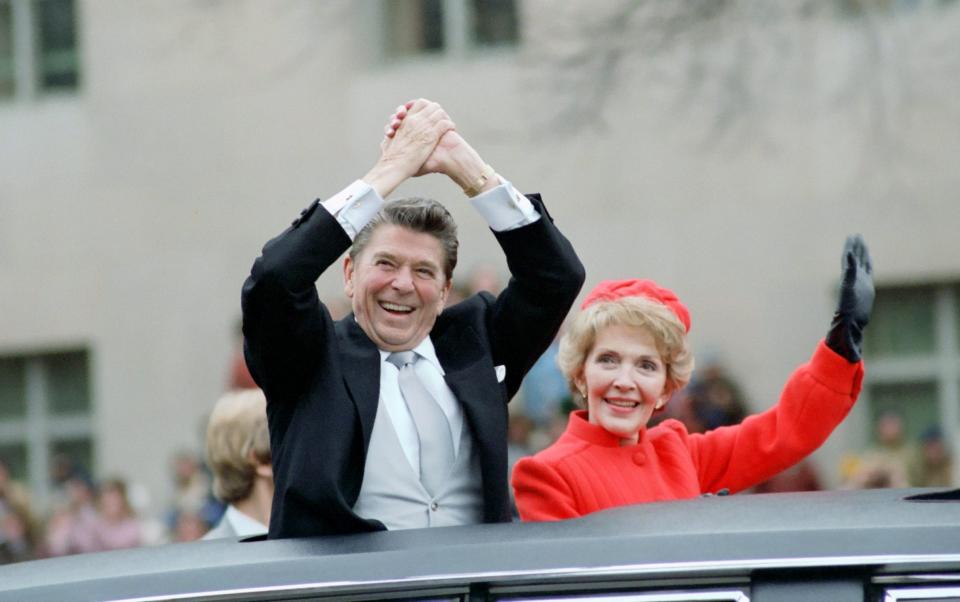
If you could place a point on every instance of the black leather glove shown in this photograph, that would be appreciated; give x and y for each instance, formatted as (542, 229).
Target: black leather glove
(856, 301)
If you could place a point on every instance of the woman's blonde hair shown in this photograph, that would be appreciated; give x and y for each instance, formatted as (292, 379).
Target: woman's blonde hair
(237, 428)
(664, 326)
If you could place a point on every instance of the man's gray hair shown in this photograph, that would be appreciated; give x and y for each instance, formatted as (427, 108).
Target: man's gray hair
(420, 215)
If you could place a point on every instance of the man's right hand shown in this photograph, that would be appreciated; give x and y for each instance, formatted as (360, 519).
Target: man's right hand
(404, 153)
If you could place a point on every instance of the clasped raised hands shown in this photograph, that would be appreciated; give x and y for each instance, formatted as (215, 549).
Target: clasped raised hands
(420, 138)
(405, 151)
(411, 147)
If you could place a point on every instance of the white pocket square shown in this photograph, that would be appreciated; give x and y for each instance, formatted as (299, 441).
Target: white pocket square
(501, 372)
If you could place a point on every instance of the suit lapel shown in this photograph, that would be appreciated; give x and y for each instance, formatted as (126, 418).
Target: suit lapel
(466, 362)
(469, 373)
(361, 372)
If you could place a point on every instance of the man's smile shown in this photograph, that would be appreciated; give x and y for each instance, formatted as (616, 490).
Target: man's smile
(396, 308)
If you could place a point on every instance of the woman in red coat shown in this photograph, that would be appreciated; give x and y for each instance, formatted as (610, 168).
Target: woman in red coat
(627, 352)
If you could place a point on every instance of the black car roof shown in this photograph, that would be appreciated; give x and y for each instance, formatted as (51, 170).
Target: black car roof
(705, 536)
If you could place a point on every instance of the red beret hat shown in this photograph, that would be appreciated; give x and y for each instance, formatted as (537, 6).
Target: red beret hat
(611, 290)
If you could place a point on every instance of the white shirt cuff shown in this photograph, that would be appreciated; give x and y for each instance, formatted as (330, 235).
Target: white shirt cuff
(505, 208)
(354, 206)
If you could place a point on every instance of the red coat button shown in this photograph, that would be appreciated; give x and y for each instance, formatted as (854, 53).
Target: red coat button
(640, 458)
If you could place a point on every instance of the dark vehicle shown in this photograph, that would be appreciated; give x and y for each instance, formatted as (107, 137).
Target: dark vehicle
(841, 546)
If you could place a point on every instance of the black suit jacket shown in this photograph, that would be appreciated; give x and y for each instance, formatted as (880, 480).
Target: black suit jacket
(322, 378)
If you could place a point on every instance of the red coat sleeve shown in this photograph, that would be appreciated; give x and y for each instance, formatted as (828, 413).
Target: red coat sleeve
(816, 398)
(541, 493)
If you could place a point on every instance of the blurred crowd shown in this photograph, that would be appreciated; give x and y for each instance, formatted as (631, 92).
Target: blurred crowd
(87, 515)
(894, 460)
(92, 516)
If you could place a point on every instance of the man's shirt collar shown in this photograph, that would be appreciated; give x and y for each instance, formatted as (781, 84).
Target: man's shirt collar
(425, 350)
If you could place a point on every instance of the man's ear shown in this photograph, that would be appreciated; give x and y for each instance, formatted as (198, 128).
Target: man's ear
(348, 276)
(445, 292)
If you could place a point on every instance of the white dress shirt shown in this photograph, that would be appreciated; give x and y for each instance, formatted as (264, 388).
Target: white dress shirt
(504, 208)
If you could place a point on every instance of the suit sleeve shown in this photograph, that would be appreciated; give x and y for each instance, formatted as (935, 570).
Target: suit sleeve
(545, 278)
(541, 493)
(816, 398)
(284, 323)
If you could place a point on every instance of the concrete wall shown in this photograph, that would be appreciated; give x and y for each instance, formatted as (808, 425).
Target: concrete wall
(131, 212)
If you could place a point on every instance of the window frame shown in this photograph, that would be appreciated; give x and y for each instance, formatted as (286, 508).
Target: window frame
(40, 428)
(940, 367)
(27, 59)
(458, 35)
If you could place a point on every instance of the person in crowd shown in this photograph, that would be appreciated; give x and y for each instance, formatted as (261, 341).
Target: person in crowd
(61, 470)
(17, 533)
(716, 398)
(395, 417)
(933, 465)
(886, 463)
(189, 526)
(802, 476)
(16, 537)
(519, 429)
(13, 495)
(712, 399)
(117, 528)
(545, 388)
(238, 453)
(192, 491)
(627, 352)
(73, 527)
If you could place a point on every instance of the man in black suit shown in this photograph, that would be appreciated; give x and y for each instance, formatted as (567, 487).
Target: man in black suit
(351, 451)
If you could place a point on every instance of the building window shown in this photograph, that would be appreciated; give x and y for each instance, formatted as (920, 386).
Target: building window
(415, 26)
(39, 52)
(494, 22)
(913, 358)
(7, 71)
(45, 414)
(56, 44)
(453, 27)
(859, 8)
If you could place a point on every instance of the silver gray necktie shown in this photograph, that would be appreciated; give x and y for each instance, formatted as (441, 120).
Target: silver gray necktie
(433, 428)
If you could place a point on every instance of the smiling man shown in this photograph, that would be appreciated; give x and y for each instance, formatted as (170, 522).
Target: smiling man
(395, 417)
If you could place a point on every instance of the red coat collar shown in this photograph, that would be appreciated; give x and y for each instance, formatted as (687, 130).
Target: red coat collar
(580, 427)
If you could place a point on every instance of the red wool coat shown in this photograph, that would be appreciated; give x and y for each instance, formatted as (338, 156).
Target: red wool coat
(587, 470)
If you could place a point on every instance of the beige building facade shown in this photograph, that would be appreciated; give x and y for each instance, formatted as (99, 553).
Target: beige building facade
(134, 199)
